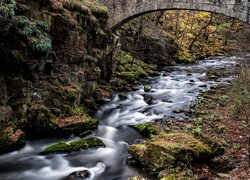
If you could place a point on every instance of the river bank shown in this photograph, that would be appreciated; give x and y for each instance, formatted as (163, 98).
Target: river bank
(222, 114)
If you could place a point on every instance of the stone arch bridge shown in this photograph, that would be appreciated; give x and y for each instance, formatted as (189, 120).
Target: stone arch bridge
(121, 11)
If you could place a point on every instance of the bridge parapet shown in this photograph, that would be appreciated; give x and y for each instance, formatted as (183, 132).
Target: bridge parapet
(121, 11)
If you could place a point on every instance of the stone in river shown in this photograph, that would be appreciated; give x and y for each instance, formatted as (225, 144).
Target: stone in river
(78, 175)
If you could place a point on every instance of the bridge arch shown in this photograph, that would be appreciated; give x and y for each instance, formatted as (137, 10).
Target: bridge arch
(121, 11)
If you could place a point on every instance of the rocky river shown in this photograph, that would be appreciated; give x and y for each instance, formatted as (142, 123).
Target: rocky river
(170, 96)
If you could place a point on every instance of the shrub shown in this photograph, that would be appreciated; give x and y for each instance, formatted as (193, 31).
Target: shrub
(241, 92)
(35, 34)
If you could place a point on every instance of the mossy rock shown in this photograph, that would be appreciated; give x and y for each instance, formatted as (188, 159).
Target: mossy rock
(77, 145)
(146, 129)
(129, 76)
(165, 150)
(79, 128)
(122, 96)
(40, 120)
(125, 58)
(141, 72)
(147, 88)
(136, 178)
(11, 139)
(212, 75)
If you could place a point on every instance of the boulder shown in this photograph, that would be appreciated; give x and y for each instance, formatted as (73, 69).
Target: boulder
(77, 145)
(78, 175)
(165, 150)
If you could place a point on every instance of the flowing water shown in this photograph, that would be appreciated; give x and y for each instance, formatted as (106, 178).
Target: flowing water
(172, 90)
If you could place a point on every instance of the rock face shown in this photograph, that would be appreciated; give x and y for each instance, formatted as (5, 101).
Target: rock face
(52, 55)
(166, 150)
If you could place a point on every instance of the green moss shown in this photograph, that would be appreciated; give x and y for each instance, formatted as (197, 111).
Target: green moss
(122, 96)
(86, 143)
(136, 178)
(77, 145)
(185, 57)
(125, 58)
(79, 110)
(129, 76)
(141, 72)
(147, 88)
(166, 150)
(60, 147)
(170, 177)
(146, 129)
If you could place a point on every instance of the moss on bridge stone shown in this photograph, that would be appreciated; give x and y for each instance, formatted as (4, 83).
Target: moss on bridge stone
(77, 145)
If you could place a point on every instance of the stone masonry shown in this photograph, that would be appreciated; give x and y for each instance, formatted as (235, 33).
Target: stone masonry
(121, 11)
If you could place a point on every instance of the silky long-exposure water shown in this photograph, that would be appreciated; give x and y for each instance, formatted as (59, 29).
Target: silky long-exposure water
(170, 91)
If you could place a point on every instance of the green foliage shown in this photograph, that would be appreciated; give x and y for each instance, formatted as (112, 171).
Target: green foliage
(237, 145)
(79, 110)
(241, 93)
(35, 34)
(7, 9)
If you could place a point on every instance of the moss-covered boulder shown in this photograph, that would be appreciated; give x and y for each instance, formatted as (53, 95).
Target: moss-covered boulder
(122, 96)
(166, 150)
(77, 145)
(77, 125)
(39, 121)
(147, 129)
(42, 121)
(129, 76)
(11, 139)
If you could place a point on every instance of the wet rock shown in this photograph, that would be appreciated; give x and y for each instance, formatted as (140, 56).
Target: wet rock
(77, 145)
(122, 96)
(131, 161)
(147, 88)
(212, 75)
(177, 111)
(203, 85)
(148, 99)
(79, 175)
